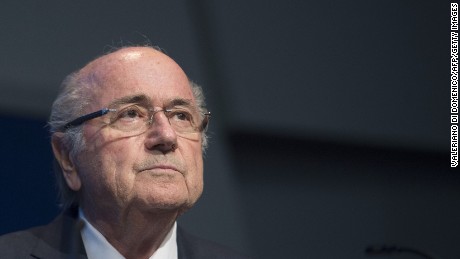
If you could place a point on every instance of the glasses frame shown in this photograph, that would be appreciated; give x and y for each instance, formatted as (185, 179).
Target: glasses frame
(82, 119)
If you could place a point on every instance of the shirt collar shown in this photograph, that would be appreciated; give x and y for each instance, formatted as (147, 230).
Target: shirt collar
(97, 246)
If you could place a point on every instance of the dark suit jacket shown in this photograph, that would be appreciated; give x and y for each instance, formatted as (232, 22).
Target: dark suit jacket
(61, 239)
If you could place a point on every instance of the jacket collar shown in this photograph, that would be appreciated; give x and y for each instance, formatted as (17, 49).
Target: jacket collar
(61, 238)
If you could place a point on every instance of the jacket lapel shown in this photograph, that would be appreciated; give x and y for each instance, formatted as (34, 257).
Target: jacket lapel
(61, 238)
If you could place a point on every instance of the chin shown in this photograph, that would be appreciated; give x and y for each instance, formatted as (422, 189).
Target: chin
(166, 204)
(178, 200)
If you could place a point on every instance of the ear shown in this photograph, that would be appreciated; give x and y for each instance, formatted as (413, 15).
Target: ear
(62, 155)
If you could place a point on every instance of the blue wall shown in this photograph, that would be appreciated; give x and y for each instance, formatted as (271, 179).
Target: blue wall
(27, 183)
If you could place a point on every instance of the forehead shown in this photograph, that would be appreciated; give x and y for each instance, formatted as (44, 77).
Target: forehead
(135, 71)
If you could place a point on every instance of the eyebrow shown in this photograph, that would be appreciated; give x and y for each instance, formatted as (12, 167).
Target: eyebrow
(138, 98)
(180, 102)
(147, 102)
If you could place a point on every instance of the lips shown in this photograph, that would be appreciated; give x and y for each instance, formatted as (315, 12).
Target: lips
(160, 163)
(155, 165)
(163, 167)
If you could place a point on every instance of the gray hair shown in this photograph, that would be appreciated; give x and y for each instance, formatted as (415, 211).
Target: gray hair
(70, 103)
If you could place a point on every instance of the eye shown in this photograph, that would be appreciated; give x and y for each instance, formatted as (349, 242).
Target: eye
(182, 116)
(131, 113)
(179, 115)
(181, 119)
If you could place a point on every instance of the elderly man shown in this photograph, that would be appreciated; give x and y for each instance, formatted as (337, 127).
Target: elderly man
(128, 135)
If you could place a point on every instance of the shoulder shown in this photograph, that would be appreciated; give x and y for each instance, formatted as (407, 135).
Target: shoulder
(58, 239)
(14, 237)
(190, 247)
(18, 244)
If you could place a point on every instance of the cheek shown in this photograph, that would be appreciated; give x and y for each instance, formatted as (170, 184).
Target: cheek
(194, 162)
(106, 183)
(106, 166)
(118, 160)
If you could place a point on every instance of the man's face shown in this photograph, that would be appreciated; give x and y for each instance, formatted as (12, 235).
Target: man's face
(154, 171)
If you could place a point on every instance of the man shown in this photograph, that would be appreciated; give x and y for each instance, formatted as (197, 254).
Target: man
(128, 135)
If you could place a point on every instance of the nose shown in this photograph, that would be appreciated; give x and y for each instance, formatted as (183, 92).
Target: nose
(161, 135)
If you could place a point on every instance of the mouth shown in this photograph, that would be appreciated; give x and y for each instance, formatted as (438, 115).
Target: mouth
(159, 165)
(161, 169)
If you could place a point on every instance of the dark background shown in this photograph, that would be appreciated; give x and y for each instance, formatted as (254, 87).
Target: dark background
(330, 127)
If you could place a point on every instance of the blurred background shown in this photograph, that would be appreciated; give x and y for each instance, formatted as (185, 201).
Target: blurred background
(330, 128)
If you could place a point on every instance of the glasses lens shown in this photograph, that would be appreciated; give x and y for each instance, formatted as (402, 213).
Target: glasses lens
(134, 119)
(182, 120)
(131, 118)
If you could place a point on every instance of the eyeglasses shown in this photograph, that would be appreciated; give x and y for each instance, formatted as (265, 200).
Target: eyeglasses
(134, 119)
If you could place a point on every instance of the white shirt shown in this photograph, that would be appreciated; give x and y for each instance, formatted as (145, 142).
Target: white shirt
(97, 246)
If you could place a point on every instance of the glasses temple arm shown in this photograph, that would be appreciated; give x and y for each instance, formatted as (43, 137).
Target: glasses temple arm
(80, 120)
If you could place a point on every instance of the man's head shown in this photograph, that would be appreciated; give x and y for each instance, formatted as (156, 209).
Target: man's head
(141, 155)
